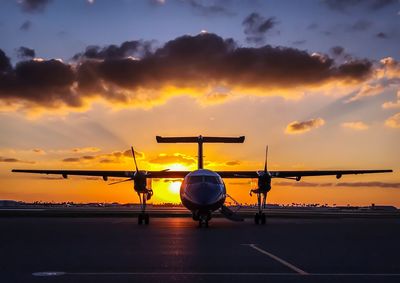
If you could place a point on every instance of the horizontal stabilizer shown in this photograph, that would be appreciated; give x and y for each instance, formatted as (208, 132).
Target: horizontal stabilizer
(229, 214)
(200, 139)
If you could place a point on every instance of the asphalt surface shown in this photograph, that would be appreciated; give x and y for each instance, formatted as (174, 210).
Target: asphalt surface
(43, 249)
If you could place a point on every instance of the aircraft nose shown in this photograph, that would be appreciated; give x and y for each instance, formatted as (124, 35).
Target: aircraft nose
(204, 194)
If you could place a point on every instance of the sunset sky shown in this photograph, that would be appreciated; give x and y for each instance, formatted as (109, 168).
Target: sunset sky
(318, 81)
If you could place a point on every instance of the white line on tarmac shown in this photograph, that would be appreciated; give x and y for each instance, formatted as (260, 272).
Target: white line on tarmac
(60, 273)
(278, 259)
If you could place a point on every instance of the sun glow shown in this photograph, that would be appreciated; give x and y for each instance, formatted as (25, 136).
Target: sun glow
(175, 186)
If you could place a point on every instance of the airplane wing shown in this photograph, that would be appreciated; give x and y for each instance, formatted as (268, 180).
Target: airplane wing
(106, 173)
(297, 174)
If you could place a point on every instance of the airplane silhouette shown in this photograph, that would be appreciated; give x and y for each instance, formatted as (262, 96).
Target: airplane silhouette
(202, 191)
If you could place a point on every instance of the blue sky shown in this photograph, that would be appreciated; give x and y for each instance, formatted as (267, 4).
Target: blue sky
(63, 28)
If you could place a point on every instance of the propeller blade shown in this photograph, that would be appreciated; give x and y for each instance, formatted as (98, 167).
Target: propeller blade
(117, 182)
(266, 159)
(134, 158)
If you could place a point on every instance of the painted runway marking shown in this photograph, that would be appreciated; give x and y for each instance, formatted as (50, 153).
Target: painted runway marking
(278, 259)
(58, 273)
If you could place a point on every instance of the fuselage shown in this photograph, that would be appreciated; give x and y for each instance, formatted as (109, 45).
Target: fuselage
(202, 191)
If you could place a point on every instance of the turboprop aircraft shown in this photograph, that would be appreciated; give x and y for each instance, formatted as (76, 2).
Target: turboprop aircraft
(202, 191)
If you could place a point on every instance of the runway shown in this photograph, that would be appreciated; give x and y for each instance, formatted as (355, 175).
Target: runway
(48, 249)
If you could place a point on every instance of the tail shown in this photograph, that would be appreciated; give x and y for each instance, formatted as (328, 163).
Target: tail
(200, 140)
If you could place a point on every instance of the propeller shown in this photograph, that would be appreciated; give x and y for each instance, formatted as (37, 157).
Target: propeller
(134, 159)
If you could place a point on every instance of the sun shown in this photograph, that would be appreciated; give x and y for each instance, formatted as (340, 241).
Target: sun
(174, 187)
(177, 167)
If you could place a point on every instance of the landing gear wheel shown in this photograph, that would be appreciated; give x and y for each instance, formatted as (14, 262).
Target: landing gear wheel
(140, 219)
(263, 218)
(146, 219)
(257, 218)
(203, 222)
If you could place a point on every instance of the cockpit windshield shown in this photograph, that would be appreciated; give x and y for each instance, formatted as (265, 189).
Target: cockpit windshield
(206, 179)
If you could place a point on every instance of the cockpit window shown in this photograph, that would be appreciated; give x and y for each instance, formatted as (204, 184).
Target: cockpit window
(195, 179)
(211, 179)
(207, 179)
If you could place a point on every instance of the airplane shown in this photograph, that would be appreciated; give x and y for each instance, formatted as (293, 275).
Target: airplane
(202, 191)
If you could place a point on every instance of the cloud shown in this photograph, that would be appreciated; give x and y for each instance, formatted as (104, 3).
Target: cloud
(382, 35)
(345, 5)
(14, 160)
(375, 184)
(312, 26)
(187, 65)
(5, 65)
(299, 42)
(175, 158)
(27, 25)
(358, 126)
(85, 149)
(232, 163)
(33, 6)
(393, 121)
(361, 25)
(369, 184)
(337, 50)
(390, 104)
(114, 157)
(367, 91)
(39, 151)
(256, 27)
(305, 126)
(25, 52)
(128, 49)
(216, 8)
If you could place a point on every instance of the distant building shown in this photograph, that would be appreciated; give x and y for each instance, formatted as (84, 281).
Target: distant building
(9, 203)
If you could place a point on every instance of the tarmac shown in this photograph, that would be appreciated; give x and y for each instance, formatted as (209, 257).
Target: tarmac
(175, 249)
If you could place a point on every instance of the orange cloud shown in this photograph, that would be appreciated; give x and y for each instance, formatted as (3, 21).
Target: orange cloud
(359, 126)
(297, 127)
(393, 121)
(14, 160)
(175, 158)
(390, 104)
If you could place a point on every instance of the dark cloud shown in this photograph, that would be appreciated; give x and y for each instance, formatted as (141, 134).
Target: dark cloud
(256, 27)
(361, 25)
(200, 61)
(304, 126)
(233, 163)
(14, 160)
(72, 159)
(382, 35)
(47, 83)
(5, 64)
(26, 26)
(33, 6)
(337, 50)
(136, 49)
(215, 8)
(312, 26)
(299, 42)
(345, 5)
(25, 52)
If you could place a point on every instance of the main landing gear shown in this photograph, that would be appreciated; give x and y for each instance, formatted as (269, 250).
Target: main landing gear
(260, 217)
(143, 217)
